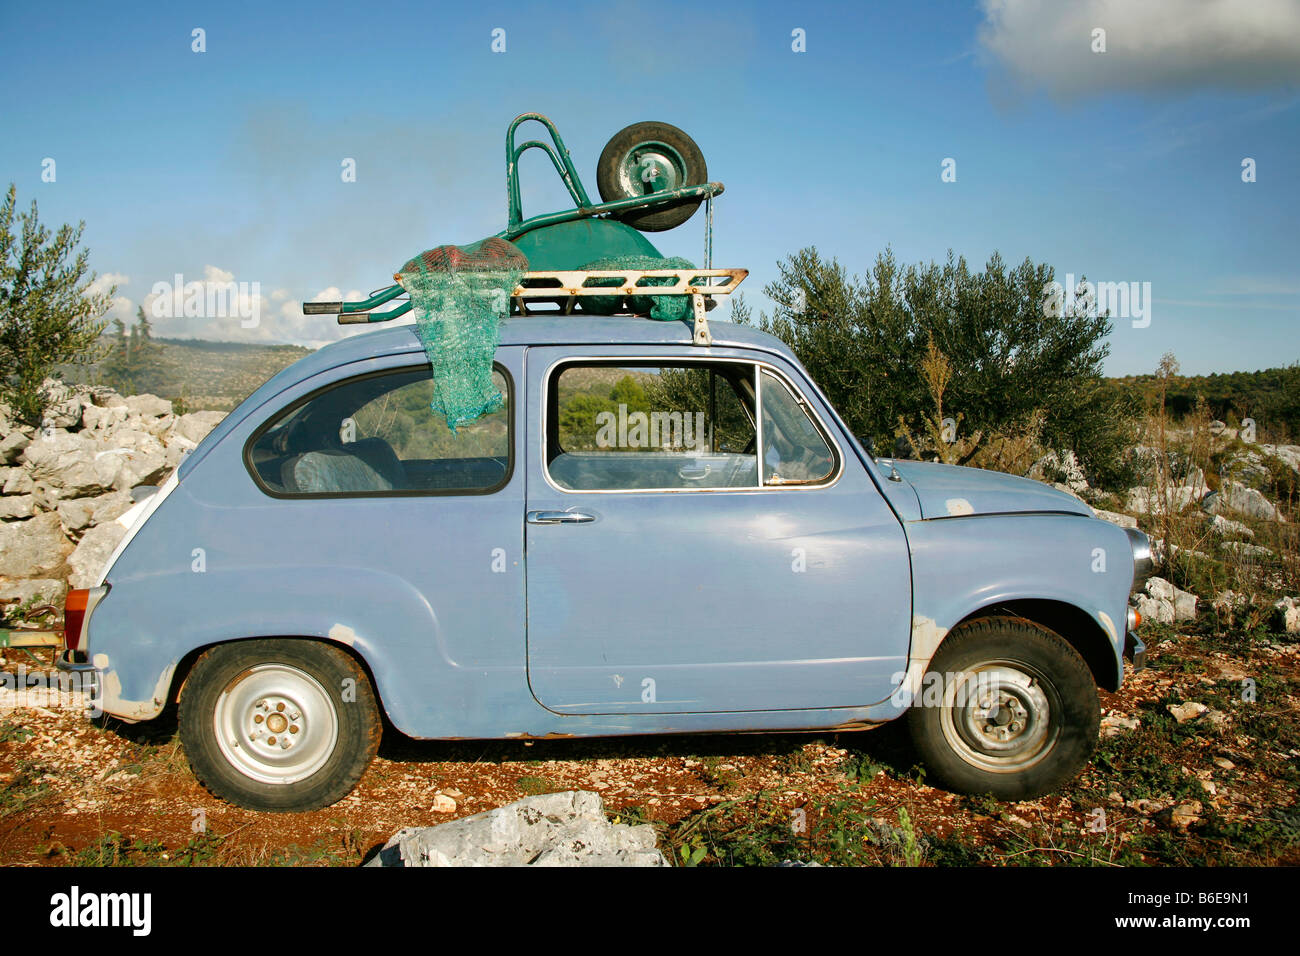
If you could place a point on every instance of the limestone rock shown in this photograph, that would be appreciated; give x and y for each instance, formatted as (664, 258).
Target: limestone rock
(12, 445)
(553, 829)
(1114, 517)
(16, 481)
(1114, 724)
(148, 406)
(103, 419)
(91, 556)
(1245, 500)
(196, 425)
(1183, 815)
(17, 506)
(1165, 603)
(1288, 609)
(1186, 711)
(1246, 550)
(1146, 501)
(72, 463)
(34, 590)
(1154, 610)
(1227, 528)
(36, 544)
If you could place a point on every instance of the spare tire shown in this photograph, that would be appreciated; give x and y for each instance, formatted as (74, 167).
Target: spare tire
(646, 158)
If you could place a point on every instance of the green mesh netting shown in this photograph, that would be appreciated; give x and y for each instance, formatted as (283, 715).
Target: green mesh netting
(666, 308)
(459, 295)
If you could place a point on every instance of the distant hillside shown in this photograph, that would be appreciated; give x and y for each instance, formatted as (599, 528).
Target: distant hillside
(1271, 397)
(201, 374)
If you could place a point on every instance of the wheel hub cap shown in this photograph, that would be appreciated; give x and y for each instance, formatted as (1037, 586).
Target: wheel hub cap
(652, 168)
(1000, 716)
(276, 724)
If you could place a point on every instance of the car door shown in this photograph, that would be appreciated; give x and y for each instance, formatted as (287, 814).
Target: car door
(668, 573)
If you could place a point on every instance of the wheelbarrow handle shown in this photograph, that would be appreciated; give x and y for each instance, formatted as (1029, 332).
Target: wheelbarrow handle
(322, 308)
(559, 156)
(365, 305)
(364, 318)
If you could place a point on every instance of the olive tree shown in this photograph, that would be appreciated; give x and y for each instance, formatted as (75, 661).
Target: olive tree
(1015, 365)
(48, 314)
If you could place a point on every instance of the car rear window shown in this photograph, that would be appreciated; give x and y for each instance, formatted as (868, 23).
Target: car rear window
(376, 435)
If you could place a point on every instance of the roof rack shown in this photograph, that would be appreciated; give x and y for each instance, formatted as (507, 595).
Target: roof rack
(563, 288)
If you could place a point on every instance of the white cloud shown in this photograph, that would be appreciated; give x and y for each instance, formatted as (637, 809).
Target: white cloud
(120, 307)
(1151, 45)
(229, 308)
(105, 281)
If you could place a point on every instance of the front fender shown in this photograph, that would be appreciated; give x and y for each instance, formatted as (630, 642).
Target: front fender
(961, 566)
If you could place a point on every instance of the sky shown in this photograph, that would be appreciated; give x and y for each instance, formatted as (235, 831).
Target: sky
(1169, 156)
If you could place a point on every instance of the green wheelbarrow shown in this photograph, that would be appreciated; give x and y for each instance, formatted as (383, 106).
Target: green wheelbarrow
(651, 176)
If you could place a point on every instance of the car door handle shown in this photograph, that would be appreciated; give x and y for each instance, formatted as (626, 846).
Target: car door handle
(559, 517)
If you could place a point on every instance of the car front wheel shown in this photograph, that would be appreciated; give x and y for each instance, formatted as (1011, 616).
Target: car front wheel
(1007, 708)
(279, 725)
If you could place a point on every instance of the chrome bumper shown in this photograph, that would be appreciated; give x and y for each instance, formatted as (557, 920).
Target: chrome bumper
(1135, 650)
(74, 662)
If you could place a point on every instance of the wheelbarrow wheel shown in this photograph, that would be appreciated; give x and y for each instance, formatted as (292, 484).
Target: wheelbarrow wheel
(647, 158)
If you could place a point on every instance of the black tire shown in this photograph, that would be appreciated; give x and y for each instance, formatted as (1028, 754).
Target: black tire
(304, 687)
(976, 750)
(612, 184)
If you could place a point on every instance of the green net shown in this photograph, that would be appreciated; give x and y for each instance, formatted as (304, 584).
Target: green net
(666, 308)
(459, 295)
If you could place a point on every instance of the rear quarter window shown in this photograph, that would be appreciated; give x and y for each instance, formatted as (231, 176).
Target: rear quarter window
(376, 435)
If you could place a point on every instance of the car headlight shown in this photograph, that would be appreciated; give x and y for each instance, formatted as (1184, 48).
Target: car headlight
(1143, 562)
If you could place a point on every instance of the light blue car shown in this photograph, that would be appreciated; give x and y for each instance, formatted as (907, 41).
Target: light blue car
(649, 536)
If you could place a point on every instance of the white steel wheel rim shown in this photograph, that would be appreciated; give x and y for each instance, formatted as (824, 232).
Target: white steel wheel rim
(276, 724)
(1000, 716)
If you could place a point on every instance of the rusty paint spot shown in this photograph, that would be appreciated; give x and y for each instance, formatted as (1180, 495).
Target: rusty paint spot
(854, 725)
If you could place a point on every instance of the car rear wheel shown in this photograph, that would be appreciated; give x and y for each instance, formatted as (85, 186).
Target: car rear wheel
(1007, 708)
(280, 725)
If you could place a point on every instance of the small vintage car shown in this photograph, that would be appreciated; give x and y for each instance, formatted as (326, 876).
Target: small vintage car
(650, 536)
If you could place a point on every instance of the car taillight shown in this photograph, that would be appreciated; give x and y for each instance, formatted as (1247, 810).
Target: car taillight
(76, 611)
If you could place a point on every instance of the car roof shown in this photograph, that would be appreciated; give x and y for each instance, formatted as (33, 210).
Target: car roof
(537, 330)
(554, 330)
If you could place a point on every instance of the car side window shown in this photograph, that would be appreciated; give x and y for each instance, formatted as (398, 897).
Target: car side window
(376, 435)
(794, 449)
(649, 426)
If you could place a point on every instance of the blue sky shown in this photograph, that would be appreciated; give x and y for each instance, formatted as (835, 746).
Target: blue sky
(1123, 165)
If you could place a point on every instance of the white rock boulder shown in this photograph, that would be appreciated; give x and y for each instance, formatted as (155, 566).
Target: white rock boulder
(91, 556)
(553, 829)
(31, 546)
